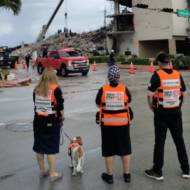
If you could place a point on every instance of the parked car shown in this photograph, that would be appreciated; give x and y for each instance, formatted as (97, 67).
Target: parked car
(65, 61)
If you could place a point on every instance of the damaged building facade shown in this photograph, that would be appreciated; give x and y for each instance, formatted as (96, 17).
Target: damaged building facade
(145, 32)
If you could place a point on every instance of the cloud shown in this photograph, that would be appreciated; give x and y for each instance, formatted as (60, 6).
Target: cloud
(83, 15)
(6, 29)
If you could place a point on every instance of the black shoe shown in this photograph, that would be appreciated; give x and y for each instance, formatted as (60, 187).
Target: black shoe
(107, 178)
(127, 177)
(152, 174)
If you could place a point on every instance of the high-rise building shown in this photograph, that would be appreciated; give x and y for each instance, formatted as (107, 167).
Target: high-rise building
(145, 32)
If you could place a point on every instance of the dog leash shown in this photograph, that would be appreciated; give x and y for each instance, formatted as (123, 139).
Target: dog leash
(62, 131)
(61, 136)
(67, 135)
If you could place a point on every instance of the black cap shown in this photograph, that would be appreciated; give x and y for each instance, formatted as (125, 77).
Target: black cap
(162, 57)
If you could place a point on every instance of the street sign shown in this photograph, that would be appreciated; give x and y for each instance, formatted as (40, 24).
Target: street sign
(183, 13)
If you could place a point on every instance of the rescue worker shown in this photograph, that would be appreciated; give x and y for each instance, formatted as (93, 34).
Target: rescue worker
(48, 116)
(111, 60)
(113, 101)
(165, 97)
(27, 60)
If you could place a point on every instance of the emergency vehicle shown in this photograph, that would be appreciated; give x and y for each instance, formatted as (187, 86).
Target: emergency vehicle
(65, 61)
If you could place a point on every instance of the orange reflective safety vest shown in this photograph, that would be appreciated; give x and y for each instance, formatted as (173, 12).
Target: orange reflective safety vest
(114, 106)
(45, 106)
(169, 93)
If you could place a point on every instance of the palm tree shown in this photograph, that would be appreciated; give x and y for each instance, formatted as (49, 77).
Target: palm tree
(13, 5)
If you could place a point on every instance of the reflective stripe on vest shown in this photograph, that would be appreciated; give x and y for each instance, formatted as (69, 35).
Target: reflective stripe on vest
(114, 106)
(169, 92)
(45, 106)
(111, 120)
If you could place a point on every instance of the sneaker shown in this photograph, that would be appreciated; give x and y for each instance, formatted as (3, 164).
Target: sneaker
(127, 177)
(186, 175)
(152, 174)
(107, 178)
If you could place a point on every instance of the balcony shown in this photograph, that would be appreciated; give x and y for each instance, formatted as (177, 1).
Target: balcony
(122, 24)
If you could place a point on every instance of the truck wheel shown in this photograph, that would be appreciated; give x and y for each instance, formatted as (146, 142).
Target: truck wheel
(84, 73)
(40, 69)
(63, 71)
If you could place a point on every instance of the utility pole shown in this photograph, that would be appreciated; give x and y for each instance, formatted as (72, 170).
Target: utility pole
(66, 24)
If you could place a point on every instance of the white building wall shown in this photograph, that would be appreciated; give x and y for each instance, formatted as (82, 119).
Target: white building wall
(127, 41)
(153, 25)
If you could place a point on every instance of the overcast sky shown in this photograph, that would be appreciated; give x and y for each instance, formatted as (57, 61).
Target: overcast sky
(83, 15)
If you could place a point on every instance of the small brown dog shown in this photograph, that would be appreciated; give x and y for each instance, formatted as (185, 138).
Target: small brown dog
(76, 153)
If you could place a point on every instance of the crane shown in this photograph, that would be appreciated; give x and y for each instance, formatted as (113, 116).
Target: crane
(45, 27)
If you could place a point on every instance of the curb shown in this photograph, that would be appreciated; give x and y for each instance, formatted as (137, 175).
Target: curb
(16, 82)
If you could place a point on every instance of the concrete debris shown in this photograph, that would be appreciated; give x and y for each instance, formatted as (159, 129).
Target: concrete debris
(86, 42)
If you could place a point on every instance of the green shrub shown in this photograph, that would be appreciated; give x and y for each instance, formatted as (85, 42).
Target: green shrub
(137, 61)
(140, 61)
(181, 62)
(98, 59)
(171, 56)
(5, 73)
(120, 58)
(103, 59)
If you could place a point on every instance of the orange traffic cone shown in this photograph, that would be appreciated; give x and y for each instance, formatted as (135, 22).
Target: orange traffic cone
(94, 66)
(132, 69)
(151, 68)
(16, 65)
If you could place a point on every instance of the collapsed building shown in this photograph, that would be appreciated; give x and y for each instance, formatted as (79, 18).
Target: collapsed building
(145, 32)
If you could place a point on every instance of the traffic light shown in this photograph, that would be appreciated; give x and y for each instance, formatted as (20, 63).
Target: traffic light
(143, 6)
(167, 10)
(183, 12)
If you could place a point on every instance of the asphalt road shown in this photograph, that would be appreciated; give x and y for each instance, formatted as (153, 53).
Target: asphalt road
(18, 168)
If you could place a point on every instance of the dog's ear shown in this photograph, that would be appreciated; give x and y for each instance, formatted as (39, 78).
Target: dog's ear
(79, 139)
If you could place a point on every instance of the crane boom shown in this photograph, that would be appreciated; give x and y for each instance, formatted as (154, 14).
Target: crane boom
(42, 34)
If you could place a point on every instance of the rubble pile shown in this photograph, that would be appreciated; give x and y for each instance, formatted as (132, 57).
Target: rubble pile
(86, 42)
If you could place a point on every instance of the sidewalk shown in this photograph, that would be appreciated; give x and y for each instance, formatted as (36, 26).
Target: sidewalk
(21, 79)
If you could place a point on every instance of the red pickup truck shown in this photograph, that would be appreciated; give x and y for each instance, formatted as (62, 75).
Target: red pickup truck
(65, 61)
